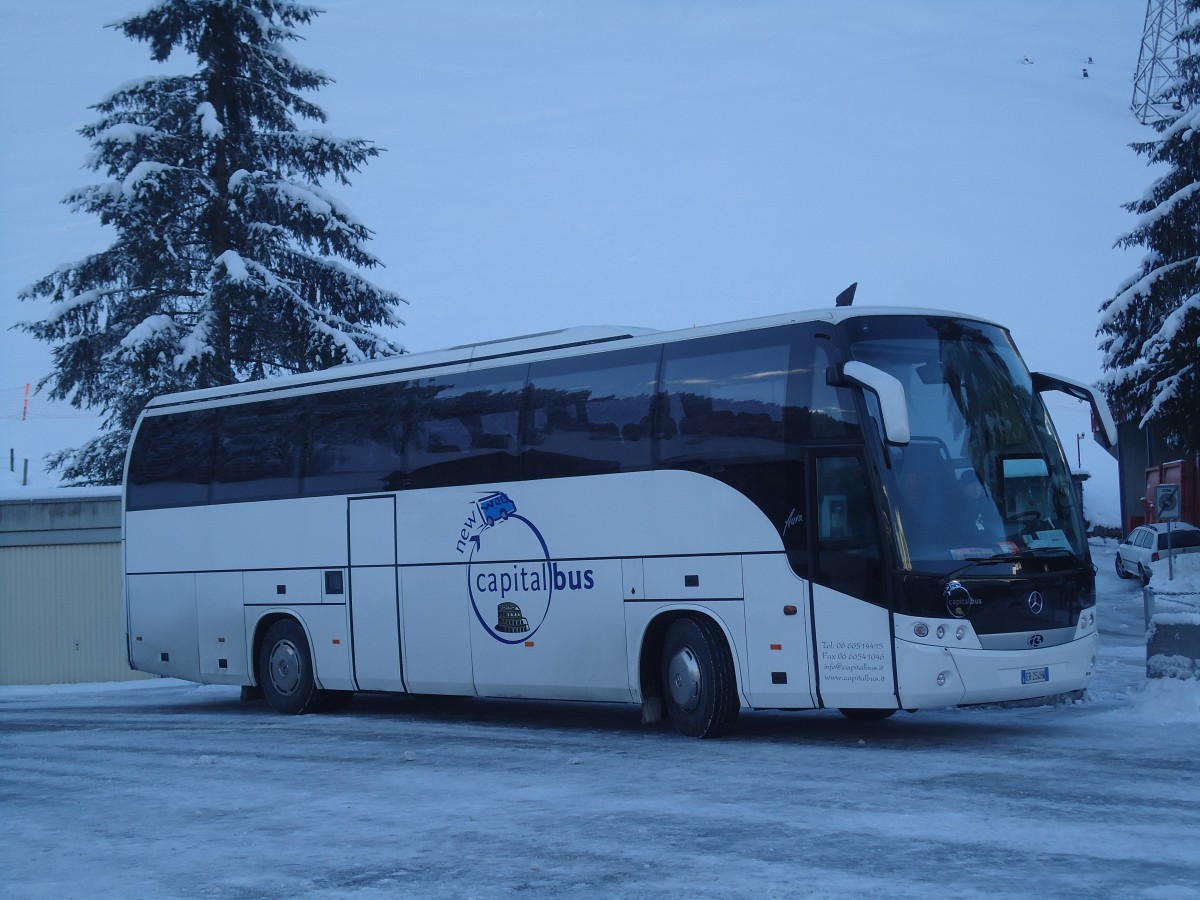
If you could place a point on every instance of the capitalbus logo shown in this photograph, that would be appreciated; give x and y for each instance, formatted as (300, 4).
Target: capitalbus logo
(511, 578)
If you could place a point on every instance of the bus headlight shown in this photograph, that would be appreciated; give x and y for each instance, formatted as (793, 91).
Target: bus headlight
(959, 632)
(921, 629)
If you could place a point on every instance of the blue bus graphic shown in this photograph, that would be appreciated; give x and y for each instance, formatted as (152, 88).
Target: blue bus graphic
(496, 507)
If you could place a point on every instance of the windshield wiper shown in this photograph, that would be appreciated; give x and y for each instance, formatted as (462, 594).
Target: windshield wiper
(973, 561)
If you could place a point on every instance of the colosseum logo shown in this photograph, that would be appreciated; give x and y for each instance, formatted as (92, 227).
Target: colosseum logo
(511, 578)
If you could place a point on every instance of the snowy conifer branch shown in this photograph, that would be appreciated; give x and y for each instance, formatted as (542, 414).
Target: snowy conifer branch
(1150, 328)
(231, 260)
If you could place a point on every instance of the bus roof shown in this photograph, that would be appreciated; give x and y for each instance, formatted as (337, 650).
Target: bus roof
(541, 342)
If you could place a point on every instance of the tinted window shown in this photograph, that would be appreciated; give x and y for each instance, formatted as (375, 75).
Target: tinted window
(171, 460)
(821, 412)
(590, 415)
(726, 410)
(357, 441)
(1179, 537)
(724, 399)
(467, 426)
(848, 557)
(259, 450)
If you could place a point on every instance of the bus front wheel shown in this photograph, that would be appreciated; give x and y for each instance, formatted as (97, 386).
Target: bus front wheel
(699, 684)
(285, 669)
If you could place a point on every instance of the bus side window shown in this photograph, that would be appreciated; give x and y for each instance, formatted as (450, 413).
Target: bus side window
(831, 410)
(259, 448)
(356, 441)
(589, 415)
(171, 463)
(847, 534)
(727, 396)
(467, 427)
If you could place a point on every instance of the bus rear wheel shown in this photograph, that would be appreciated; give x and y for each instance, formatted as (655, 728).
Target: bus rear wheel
(285, 669)
(699, 684)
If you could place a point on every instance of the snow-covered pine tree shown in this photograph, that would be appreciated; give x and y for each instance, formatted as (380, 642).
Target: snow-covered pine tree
(231, 260)
(1150, 328)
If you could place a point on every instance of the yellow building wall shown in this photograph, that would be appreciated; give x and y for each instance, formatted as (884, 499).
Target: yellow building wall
(61, 617)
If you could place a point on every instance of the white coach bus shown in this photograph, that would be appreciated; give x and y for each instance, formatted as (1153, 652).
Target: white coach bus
(861, 509)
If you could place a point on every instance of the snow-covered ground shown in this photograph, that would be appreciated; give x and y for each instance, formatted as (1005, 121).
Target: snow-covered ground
(167, 789)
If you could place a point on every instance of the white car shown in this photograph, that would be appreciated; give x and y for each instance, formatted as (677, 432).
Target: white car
(1148, 544)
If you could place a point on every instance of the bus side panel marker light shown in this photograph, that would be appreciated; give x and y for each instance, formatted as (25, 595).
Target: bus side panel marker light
(789, 610)
(281, 588)
(337, 641)
(138, 638)
(777, 646)
(164, 657)
(691, 581)
(529, 643)
(222, 664)
(220, 640)
(779, 678)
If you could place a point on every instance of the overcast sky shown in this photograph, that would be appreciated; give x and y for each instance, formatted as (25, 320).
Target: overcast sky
(662, 164)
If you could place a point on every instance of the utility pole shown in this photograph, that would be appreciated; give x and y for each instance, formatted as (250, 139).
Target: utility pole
(1158, 61)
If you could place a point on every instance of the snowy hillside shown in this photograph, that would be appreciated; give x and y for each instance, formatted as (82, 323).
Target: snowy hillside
(660, 164)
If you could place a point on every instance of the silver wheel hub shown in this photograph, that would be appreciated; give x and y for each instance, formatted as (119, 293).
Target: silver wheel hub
(683, 679)
(284, 666)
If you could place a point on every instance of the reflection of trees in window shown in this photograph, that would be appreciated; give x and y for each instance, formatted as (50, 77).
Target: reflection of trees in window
(818, 410)
(983, 392)
(172, 460)
(357, 440)
(467, 426)
(259, 450)
(734, 407)
(726, 398)
(590, 415)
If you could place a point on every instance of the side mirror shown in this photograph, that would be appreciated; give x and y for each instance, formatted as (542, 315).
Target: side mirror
(893, 405)
(1106, 434)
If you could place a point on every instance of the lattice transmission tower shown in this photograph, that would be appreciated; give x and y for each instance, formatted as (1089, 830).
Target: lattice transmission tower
(1158, 60)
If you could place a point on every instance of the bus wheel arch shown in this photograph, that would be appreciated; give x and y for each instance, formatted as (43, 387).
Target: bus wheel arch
(687, 670)
(286, 669)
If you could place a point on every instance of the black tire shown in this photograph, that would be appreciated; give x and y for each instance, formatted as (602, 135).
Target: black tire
(1119, 565)
(285, 670)
(698, 680)
(867, 715)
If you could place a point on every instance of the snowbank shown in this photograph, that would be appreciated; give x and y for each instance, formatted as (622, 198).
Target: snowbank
(1186, 568)
(1164, 701)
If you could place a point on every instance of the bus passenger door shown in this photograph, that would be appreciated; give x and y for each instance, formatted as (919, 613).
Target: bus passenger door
(851, 619)
(374, 606)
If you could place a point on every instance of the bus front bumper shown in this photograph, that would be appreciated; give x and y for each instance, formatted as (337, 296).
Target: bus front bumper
(931, 676)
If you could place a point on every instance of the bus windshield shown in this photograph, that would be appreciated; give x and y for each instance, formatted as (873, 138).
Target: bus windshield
(983, 477)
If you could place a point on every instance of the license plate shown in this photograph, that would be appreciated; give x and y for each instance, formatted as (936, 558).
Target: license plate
(1035, 676)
